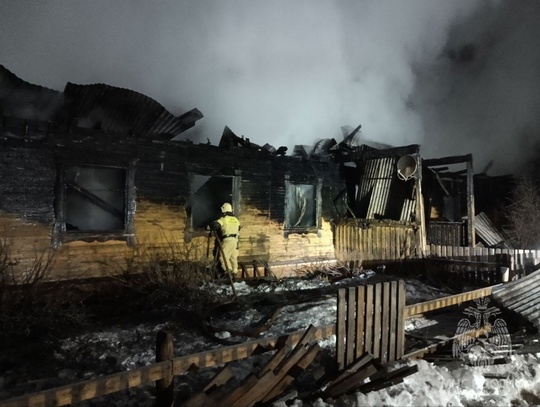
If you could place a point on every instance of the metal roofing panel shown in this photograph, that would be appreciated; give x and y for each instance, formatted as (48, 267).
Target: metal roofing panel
(121, 110)
(486, 230)
(522, 296)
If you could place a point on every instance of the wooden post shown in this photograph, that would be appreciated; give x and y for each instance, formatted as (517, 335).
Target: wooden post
(165, 386)
(470, 203)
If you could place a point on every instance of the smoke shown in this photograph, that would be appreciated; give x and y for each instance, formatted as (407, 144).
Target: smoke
(293, 72)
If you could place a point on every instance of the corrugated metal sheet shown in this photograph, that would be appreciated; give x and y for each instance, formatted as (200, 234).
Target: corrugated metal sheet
(487, 231)
(375, 185)
(384, 173)
(408, 211)
(522, 296)
(122, 110)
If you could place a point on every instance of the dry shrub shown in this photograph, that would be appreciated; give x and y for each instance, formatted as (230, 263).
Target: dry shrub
(29, 302)
(324, 269)
(170, 271)
(523, 215)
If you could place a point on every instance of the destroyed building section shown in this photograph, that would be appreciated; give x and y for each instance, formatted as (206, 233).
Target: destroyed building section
(92, 189)
(106, 166)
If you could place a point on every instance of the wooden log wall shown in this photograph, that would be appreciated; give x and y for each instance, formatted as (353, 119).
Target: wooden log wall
(370, 319)
(28, 175)
(359, 242)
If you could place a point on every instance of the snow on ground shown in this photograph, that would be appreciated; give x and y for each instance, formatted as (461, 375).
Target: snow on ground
(514, 384)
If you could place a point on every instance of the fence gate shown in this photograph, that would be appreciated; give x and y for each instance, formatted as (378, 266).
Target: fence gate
(370, 319)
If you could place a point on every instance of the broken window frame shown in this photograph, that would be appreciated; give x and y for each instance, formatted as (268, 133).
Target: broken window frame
(62, 235)
(192, 231)
(317, 204)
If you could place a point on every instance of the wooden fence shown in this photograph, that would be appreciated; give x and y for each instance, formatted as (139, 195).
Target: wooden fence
(370, 319)
(447, 233)
(456, 272)
(372, 242)
(365, 242)
(520, 261)
(159, 373)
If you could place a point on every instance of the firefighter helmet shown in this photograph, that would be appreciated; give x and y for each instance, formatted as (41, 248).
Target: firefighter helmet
(226, 207)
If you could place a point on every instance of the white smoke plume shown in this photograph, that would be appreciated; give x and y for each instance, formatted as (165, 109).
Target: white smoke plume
(456, 76)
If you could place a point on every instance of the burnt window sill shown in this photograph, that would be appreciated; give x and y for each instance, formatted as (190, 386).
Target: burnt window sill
(302, 231)
(94, 236)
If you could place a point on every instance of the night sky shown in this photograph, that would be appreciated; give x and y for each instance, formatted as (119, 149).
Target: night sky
(456, 76)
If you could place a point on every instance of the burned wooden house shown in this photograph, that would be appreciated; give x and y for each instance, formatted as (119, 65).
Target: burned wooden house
(101, 177)
(94, 174)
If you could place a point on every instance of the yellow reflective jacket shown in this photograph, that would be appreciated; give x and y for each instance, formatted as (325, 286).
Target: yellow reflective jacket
(229, 226)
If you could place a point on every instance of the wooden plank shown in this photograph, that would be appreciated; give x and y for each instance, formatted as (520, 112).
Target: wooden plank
(383, 378)
(392, 331)
(299, 349)
(222, 377)
(351, 383)
(341, 328)
(350, 340)
(400, 330)
(368, 338)
(266, 382)
(377, 303)
(360, 320)
(359, 364)
(293, 373)
(203, 398)
(457, 299)
(385, 321)
(275, 360)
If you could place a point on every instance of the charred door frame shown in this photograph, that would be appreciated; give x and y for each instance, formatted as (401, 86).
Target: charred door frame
(61, 235)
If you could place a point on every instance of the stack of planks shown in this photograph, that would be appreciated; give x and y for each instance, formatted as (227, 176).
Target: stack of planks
(268, 384)
(355, 377)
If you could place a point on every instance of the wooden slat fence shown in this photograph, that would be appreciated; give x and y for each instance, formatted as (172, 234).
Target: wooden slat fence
(447, 233)
(370, 319)
(520, 261)
(479, 273)
(359, 242)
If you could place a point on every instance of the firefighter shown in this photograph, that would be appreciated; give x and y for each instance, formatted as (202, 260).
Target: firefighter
(228, 231)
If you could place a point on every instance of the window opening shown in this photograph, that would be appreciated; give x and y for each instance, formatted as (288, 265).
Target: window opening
(301, 206)
(208, 193)
(95, 198)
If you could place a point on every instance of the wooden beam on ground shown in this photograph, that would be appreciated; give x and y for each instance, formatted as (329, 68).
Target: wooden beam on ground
(457, 299)
(419, 353)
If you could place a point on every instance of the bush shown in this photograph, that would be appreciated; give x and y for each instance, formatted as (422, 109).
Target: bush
(29, 303)
(523, 214)
(169, 272)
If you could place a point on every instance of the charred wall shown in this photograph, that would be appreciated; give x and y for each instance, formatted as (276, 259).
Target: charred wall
(161, 175)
